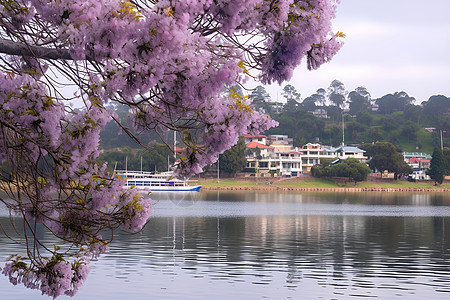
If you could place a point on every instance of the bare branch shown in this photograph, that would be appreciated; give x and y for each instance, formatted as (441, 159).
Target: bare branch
(20, 49)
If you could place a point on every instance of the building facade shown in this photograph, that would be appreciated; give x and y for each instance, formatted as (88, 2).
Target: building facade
(281, 158)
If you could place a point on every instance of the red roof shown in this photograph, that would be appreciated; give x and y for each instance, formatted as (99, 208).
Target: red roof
(416, 160)
(258, 145)
(254, 136)
(413, 159)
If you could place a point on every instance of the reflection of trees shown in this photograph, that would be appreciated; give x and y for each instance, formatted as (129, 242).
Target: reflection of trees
(328, 248)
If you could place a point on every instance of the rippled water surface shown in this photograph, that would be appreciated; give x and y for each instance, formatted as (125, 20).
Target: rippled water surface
(266, 245)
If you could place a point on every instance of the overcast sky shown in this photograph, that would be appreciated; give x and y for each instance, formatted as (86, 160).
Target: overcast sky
(390, 46)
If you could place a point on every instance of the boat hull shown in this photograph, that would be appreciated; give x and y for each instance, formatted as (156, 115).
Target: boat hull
(195, 188)
(147, 181)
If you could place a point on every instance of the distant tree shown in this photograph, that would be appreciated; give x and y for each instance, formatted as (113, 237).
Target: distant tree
(359, 100)
(309, 104)
(332, 135)
(410, 130)
(364, 118)
(298, 123)
(355, 129)
(436, 105)
(299, 140)
(320, 97)
(233, 160)
(391, 103)
(374, 134)
(320, 171)
(291, 105)
(337, 93)
(390, 122)
(292, 98)
(260, 98)
(413, 113)
(385, 157)
(446, 153)
(154, 157)
(438, 166)
(350, 167)
(334, 113)
(113, 136)
(364, 92)
(116, 156)
(312, 102)
(401, 168)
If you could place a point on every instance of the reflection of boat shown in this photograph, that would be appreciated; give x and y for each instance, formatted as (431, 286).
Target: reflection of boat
(161, 182)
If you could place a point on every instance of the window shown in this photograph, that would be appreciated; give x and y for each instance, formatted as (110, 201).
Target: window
(263, 164)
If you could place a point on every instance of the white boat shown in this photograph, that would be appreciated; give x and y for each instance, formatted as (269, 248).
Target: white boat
(149, 181)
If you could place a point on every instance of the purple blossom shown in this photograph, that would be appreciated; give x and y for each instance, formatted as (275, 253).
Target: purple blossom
(170, 62)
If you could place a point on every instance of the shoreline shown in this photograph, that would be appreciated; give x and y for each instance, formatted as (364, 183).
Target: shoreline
(323, 189)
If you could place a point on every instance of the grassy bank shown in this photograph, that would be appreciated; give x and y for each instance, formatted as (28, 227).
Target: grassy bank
(312, 183)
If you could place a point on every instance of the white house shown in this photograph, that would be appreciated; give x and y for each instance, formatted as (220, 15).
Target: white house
(281, 159)
(259, 138)
(264, 150)
(345, 152)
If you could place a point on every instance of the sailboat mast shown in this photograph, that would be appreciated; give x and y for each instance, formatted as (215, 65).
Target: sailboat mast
(175, 145)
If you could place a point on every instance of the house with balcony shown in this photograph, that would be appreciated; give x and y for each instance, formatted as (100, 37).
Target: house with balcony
(311, 154)
(420, 167)
(259, 149)
(280, 158)
(344, 152)
(418, 155)
(419, 164)
(277, 164)
(281, 143)
(258, 138)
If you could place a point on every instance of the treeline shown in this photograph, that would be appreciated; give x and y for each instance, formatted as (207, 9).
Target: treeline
(393, 118)
(112, 136)
(157, 157)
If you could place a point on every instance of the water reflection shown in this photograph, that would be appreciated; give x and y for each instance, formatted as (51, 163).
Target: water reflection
(260, 247)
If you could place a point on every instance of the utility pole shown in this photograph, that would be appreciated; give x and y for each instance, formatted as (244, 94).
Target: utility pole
(218, 169)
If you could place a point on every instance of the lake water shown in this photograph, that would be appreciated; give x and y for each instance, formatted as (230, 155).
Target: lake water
(275, 245)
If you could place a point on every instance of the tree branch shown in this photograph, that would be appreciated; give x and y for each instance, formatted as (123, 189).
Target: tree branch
(20, 49)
